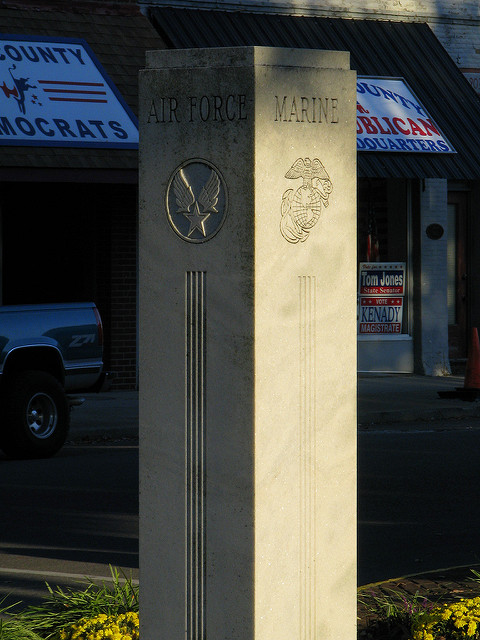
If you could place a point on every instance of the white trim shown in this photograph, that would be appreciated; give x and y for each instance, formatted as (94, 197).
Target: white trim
(307, 8)
(382, 338)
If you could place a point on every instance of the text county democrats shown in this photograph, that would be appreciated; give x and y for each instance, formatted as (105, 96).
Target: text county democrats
(55, 92)
(391, 118)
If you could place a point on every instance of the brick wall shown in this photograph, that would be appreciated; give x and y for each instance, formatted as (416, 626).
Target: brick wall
(116, 279)
(420, 10)
(455, 22)
(123, 291)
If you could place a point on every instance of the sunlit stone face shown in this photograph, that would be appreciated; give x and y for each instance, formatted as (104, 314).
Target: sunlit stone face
(248, 344)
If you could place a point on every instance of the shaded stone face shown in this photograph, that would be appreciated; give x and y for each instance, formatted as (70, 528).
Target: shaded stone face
(248, 345)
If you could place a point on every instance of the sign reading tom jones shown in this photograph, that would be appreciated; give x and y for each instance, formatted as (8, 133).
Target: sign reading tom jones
(54, 92)
(381, 290)
(391, 118)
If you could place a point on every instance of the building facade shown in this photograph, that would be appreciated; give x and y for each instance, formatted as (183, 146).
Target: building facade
(69, 213)
(416, 209)
(68, 194)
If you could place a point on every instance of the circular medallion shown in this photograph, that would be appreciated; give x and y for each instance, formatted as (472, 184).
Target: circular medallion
(434, 231)
(196, 200)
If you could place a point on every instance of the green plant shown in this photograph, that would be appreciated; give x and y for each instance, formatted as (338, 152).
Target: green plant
(476, 575)
(11, 628)
(64, 608)
(15, 630)
(390, 614)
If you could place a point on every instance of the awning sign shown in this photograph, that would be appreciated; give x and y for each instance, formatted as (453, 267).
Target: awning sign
(54, 92)
(391, 118)
(380, 315)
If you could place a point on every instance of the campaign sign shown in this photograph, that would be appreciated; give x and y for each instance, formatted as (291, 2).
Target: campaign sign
(391, 118)
(381, 279)
(54, 92)
(380, 315)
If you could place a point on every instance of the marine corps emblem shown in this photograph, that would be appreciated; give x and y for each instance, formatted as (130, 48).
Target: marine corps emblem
(301, 209)
(196, 201)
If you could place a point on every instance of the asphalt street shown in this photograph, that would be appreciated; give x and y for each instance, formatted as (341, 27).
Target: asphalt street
(72, 516)
(418, 505)
(68, 517)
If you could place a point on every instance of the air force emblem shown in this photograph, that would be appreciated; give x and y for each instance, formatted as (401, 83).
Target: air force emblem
(301, 209)
(196, 201)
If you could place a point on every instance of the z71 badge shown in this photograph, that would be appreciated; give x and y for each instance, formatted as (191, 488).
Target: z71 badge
(196, 201)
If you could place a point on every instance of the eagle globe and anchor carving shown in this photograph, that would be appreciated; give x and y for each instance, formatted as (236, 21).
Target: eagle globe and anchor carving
(197, 200)
(301, 209)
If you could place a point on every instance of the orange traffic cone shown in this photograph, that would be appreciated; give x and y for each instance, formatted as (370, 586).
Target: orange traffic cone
(472, 371)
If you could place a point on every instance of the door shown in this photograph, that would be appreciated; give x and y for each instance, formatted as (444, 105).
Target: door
(457, 270)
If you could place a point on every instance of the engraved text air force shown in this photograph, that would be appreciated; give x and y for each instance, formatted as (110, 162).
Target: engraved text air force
(196, 194)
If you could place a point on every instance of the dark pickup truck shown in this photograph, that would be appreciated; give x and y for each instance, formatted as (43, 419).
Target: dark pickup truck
(46, 352)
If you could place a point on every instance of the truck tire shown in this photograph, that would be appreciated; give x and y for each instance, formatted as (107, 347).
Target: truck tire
(35, 416)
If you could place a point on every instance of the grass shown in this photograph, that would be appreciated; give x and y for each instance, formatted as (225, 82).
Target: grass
(14, 630)
(62, 608)
(390, 615)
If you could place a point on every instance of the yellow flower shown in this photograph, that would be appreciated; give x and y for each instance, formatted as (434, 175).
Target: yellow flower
(472, 627)
(103, 627)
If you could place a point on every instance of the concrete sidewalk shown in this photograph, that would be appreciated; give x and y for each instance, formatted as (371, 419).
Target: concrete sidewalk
(113, 414)
(400, 398)
(382, 399)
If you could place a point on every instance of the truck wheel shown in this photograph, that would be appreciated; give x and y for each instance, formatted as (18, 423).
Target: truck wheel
(35, 415)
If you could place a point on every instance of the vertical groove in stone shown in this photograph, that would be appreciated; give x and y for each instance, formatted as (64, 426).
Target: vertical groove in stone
(195, 455)
(308, 481)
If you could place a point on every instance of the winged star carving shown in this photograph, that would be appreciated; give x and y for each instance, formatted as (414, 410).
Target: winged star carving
(196, 210)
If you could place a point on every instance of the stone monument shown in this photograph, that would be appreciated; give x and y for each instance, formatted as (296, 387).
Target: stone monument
(248, 345)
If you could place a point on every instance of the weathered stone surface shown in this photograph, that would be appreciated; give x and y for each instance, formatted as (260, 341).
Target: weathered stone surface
(248, 345)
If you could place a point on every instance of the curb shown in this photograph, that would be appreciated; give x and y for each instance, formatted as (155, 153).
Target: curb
(418, 576)
(79, 436)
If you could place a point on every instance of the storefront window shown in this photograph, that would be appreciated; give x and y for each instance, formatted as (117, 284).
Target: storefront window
(382, 210)
(382, 242)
